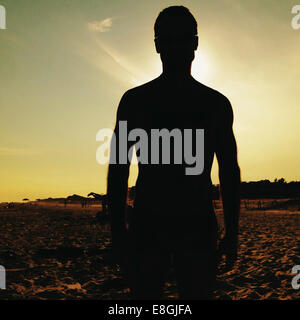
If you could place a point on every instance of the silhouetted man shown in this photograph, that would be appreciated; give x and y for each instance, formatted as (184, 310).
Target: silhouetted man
(173, 218)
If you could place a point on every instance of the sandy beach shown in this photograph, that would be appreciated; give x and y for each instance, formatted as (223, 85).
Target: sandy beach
(53, 252)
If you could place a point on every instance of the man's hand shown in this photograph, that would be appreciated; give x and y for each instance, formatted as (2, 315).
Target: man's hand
(228, 247)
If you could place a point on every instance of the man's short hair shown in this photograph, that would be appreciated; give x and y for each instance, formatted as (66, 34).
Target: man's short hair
(181, 12)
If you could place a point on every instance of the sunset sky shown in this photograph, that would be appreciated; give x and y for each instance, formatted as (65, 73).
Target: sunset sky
(64, 66)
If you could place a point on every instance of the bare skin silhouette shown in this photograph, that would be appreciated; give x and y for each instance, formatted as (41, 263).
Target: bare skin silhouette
(173, 219)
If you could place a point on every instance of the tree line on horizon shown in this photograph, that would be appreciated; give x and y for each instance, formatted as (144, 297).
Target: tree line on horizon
(279, 188)
(261, 189)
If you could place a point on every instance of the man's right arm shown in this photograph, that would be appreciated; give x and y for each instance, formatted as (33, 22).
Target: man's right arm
(117, 179)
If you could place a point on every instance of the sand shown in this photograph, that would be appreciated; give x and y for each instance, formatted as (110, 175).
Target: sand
(52, 252)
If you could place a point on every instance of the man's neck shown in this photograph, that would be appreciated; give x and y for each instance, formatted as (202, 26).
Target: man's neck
(176, 76)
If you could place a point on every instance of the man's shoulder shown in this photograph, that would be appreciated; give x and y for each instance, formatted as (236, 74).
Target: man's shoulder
(212, 94)
(216, 100)
(132, 98)
(141, 90)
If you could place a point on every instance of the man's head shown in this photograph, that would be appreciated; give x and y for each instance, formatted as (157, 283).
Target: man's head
(175, 31)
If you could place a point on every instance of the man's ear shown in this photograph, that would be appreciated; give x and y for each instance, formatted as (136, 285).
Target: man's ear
(157, 46)
(196, 40)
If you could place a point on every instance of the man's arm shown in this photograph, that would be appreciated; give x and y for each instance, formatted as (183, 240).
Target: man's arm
(229, 176)
(117, 179)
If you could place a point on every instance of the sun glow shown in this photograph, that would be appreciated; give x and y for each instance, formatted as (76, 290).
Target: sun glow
(201, 67)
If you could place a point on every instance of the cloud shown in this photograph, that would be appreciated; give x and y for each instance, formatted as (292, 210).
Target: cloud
(108, 59)
(100, 26)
